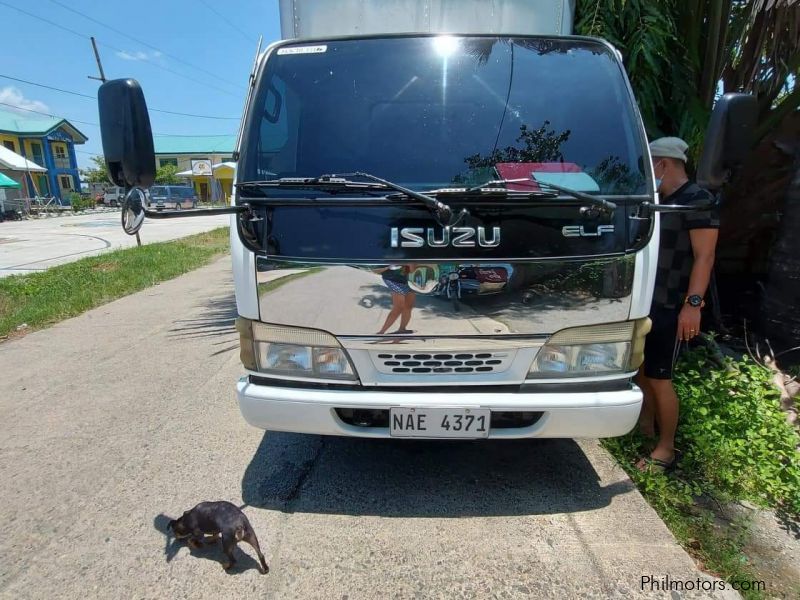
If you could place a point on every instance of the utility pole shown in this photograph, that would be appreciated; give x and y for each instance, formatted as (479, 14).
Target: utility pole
(102, 79)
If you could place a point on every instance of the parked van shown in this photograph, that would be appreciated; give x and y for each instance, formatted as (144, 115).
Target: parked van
(173, 196)
(114, 196)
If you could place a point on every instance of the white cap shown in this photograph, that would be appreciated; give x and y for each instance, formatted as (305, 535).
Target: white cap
(669, 147)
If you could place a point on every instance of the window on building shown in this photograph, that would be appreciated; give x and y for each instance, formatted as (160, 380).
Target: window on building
(10, 145)
(66, 182)
(36, 153)
(60, 151)
(167, 161)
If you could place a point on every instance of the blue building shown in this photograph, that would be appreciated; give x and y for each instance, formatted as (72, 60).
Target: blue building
(49, 142)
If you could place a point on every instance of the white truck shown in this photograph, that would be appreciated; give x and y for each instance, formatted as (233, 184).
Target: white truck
(445, 221)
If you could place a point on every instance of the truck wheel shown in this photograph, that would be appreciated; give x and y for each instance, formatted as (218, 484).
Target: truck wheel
(177, 206)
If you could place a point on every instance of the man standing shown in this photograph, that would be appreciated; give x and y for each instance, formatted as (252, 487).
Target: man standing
(685, 261)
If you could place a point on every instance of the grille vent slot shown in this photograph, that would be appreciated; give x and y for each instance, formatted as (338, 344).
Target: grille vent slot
(441, 363)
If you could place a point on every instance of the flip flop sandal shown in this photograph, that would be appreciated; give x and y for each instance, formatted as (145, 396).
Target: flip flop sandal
(660, 466)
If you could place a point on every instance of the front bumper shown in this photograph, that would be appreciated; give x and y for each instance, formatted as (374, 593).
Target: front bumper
(565, 414)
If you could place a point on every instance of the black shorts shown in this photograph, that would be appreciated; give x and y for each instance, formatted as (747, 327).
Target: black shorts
(660, 345)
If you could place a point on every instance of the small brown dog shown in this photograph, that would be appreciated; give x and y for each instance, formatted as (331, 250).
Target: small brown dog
(217, 519)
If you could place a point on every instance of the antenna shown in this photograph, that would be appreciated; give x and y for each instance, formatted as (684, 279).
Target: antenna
(99, 64)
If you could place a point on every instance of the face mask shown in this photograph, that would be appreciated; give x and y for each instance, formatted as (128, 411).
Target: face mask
(658, 179)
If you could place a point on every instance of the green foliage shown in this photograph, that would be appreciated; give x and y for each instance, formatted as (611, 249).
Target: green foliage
(40, 299)
(677, 52)
(79, 202)
(98, 173)
(166, 175)
(735, 437)
(736, 444)
(645, 32)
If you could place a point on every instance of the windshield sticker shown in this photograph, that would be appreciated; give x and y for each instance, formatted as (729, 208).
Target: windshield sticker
(303, 50)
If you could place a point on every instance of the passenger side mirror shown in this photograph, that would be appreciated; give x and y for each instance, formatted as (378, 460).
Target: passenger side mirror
(126, 133)
(728, 139)
(133, 211)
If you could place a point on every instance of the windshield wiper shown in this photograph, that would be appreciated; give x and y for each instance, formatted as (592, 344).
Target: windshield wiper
(325, 182)
(441, 211)
(596, 201)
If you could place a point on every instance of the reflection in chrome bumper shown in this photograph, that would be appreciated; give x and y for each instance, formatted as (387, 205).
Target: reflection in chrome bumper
(583, 414)
(499, 299)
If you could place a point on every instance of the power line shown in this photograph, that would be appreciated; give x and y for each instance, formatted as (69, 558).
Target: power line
(138, 41)
(120, 51)
(229, 22)
(48, 87)
(53, 23)
(158, 110)
(71, 120)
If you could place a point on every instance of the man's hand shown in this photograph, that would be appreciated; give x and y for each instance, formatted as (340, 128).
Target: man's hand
(688, 322)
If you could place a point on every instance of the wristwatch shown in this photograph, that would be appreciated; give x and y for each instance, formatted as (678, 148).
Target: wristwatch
(695, 300)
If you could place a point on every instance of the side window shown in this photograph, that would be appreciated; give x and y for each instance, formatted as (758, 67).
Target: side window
(167, 161)
(274, 124)
(10, 145)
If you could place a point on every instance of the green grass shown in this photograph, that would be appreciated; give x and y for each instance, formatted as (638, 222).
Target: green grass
(41, 299)
(737, 445)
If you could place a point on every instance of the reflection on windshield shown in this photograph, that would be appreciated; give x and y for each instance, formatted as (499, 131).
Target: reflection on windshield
(428, 116)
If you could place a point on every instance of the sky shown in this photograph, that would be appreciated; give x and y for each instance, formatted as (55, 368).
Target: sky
(190, 56)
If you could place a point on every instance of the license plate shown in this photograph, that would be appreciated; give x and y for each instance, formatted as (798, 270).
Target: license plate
(439, 422)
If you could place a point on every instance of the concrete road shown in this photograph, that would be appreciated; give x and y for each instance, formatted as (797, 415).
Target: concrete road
(37, 244)
(118, 419)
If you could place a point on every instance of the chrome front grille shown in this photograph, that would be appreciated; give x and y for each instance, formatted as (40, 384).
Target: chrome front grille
(441, 363)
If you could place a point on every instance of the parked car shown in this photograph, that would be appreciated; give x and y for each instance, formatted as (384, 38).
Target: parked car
(113, 196)
(172, 196)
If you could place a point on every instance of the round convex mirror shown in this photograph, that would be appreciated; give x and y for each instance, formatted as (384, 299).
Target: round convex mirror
(133, 211)
(423, 278)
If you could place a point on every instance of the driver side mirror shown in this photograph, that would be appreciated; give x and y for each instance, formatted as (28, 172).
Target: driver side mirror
(728, 139)
(126, 133)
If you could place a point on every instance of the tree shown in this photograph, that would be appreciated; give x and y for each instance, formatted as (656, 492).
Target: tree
(680, 53)
(98, 173)
(166, 174)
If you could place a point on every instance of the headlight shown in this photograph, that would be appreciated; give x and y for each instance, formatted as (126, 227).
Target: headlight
(589, 359)
(594, 350)
(293, 352)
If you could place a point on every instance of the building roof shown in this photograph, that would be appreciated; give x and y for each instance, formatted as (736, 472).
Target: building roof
(201, 144)
(14, 162)
(7, 182)
(11, 122)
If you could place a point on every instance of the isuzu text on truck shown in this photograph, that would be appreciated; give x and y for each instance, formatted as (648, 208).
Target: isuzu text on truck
(444, 222)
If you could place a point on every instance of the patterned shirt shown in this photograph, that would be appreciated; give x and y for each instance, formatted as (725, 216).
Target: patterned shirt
(675, 255)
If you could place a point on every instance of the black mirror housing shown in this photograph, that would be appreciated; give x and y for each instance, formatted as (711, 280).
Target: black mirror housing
(728, 140)
(126, 133)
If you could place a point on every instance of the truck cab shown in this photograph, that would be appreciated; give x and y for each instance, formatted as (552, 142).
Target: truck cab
(445, 223)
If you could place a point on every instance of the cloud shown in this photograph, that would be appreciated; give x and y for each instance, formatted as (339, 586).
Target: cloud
(14, 96)
(138, 55)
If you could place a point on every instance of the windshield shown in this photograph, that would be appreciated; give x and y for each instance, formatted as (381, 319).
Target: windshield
(430, 112)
